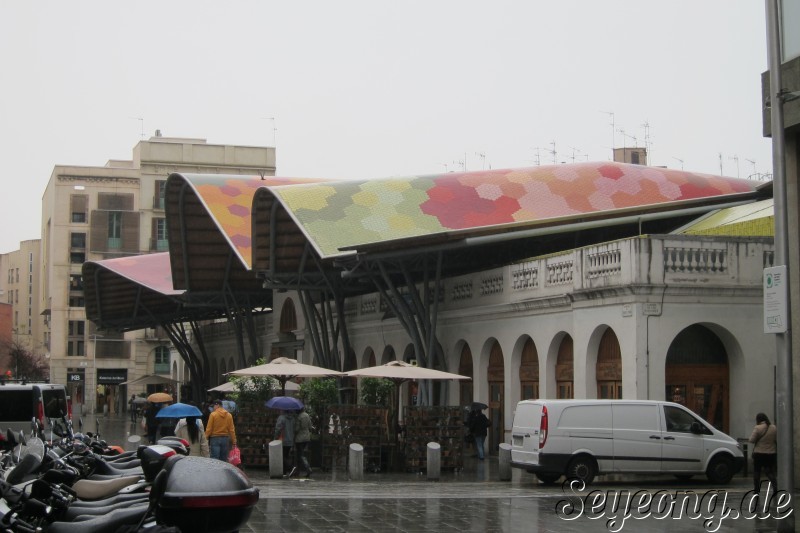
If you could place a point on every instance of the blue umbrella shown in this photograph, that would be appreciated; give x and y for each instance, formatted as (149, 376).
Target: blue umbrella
(286, 403)
(178, 410)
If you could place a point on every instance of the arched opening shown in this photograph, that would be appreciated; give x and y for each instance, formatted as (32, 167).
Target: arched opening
(697, 374)
(529, 371)
(465, 369)
(496, 377)
(565, 371)
(349, 385)
(369, 358)
(387, 355)
(286, 346)
(609, 367)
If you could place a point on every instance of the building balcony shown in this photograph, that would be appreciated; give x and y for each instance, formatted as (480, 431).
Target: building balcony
(686, 261)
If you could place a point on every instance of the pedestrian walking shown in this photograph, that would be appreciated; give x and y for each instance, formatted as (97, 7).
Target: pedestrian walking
(151, 423)
(302, 436)
(284, 431)
(220, 432)
(478, 426)
(132, 407)
(765, 452)
(191, 430)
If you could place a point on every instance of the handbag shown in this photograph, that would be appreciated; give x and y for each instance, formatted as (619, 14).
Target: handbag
(235, 456)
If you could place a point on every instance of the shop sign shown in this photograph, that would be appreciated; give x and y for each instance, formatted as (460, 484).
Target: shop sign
(111, 376)
(75, 377)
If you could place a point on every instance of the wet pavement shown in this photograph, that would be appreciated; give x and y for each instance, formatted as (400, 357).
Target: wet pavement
(475, 500)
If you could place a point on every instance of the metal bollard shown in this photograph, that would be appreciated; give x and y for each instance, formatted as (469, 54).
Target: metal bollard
(434, 461)
(355, 463)
(504, 462)
(276, 458)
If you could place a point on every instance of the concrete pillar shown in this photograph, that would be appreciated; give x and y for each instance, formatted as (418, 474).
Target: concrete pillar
(276, 459)
(504, 462)
(355, 463)
(434, 461)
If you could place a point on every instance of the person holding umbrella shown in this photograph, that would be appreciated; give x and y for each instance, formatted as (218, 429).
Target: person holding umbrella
(285, 427)
(220, 432)
(478, 426)
(191, 429)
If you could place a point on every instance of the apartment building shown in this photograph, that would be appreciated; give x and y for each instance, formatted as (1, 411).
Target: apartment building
(19, 288)
(96, 213)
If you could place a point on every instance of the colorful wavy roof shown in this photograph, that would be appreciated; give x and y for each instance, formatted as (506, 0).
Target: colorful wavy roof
(229, 200)
(756, 219)
(337, 216)
(149, 270)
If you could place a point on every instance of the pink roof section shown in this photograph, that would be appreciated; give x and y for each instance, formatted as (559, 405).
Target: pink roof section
(229, 201)
(149, 270)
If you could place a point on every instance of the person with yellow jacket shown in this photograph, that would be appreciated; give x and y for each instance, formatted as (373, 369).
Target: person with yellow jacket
(220, 432)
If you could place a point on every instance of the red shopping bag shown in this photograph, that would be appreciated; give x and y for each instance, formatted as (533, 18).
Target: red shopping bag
(235, 456)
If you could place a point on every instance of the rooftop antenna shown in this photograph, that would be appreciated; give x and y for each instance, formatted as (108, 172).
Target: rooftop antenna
(647, 143)
(553, 152)
(482, 155)
(578, 151)
(754, 166)
(735, 158)
(613, 130)
(274, 131)
(679, 160)
(141, 122)
(445, 167)
(721, 172)
(538, 159)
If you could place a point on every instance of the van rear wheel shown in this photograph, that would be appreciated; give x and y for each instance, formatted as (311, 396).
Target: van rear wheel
(582, 468)
(720, 470)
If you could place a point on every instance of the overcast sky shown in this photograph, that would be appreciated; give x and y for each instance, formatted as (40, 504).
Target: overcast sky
(376, 88)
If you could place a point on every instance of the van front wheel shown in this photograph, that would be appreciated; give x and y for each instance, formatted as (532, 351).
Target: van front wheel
(582, 468)
(720, 471)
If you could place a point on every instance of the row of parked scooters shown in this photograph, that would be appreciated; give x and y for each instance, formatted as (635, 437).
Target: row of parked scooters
(74, 482)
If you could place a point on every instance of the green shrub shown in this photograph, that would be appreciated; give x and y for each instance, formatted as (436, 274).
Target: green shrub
(376, 391)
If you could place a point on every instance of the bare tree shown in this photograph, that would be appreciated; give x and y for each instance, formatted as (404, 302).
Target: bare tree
(23, 363)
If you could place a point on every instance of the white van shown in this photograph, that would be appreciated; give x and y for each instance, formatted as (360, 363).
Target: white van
(582, 438)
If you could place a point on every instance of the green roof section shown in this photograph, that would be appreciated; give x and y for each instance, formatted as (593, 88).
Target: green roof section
(756, 219)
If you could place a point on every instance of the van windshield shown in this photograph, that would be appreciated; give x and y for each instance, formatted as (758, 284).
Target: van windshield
(55, 403)
(16, 405)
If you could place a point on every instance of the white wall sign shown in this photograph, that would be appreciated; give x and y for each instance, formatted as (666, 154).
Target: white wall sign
(775, 300)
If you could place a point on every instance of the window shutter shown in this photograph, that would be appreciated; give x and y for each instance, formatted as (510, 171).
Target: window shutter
(79, 203)
(115, 202)
(130, 231)
(98, 235)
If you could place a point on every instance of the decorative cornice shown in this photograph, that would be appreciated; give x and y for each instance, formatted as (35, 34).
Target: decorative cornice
(101, 179)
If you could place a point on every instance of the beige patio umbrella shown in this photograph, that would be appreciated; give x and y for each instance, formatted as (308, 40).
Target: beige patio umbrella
(283, 369)
(229, 387)
(400, 372)
(151, 379)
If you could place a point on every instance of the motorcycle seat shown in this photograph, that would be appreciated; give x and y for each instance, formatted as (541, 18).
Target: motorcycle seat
(113, 521)
(87, 489)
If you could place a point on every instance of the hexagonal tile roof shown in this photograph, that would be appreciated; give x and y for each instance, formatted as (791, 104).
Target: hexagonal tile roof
(337, 216)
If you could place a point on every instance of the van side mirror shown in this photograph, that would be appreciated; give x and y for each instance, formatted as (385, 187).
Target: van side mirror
(696, 428)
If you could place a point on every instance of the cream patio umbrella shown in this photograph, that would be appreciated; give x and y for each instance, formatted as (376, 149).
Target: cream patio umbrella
(399, 372)
(229, 387)
(283, 369)
(151, 379)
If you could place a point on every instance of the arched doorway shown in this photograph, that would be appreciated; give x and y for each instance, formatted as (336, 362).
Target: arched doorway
(496, 377)
(529, 371)
(465, 369)
(349, 387)
(565, 371)
(286, 346)
(697, 375)
(609, 367)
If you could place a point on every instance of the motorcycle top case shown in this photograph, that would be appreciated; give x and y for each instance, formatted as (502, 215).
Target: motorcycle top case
(203, 494)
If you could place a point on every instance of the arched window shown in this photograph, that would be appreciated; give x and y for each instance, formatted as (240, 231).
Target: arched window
(609, 367)
(564, 369)
(529, 371)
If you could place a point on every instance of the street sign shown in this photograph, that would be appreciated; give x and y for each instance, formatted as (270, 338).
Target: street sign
(775, 297)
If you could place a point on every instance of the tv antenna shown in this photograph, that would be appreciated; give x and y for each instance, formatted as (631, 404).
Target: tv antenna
(141, 122)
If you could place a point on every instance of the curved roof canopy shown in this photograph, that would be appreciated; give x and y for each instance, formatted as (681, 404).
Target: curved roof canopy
(208, 219)
(400, 215)
(134, 292)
